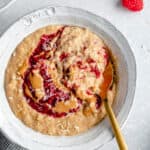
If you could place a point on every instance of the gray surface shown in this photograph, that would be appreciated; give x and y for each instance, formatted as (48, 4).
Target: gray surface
(7, 145)
(136, 28)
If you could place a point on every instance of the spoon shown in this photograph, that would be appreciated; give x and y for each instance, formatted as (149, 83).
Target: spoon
(108, 79)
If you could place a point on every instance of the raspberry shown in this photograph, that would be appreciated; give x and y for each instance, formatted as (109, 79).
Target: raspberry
(133, 5)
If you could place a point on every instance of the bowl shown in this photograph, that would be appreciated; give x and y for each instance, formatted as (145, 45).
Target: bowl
(4, 4)
(100, 134)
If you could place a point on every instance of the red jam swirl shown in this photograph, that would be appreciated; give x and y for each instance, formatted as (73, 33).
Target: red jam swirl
(96, 71)
(53, 95)
(63, 56)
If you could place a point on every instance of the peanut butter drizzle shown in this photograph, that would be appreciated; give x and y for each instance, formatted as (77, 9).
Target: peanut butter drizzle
(22, 68)
(65, 106)
(87, 111)
(37, 84)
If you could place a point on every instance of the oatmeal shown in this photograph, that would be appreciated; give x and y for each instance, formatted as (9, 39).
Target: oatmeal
(53, 82)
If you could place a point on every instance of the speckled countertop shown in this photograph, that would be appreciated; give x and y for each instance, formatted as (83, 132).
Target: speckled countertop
(136, 28)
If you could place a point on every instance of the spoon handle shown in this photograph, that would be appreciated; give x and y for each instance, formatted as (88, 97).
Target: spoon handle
(117, 131)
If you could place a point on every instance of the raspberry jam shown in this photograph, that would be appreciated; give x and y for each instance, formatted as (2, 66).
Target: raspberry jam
(96, 71)
(63, 56)
(52, 94)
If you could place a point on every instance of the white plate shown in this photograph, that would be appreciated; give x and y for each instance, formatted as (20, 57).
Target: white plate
(99, 135)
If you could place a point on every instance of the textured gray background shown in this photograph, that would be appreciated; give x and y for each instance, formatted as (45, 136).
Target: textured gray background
(136, 28)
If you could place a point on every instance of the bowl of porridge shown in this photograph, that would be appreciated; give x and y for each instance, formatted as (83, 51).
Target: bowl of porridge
(52, 72)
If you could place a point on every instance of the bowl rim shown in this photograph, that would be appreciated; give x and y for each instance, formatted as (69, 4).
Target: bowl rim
(124, 120)
(7, 5)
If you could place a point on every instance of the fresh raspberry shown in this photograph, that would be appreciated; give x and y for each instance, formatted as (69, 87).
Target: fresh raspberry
(133, 5)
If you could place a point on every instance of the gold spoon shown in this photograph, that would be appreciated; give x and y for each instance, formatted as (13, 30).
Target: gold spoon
(108, 79)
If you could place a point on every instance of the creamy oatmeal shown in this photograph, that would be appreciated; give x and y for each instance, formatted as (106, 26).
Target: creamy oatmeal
(53, 80)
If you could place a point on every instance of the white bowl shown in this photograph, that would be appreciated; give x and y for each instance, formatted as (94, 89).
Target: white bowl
(4, 4)
(97, 136)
